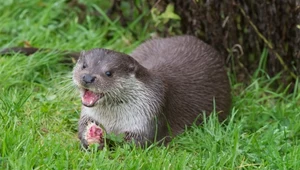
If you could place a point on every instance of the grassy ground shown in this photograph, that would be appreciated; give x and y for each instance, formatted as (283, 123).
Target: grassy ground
(39, 107)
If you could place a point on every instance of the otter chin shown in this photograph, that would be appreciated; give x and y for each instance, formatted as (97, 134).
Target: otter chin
(90, 98)
(152, 94)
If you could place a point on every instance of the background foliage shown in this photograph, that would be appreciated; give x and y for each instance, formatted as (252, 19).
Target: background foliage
(241, 30)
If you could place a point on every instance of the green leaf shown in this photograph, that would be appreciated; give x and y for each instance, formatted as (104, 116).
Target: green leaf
(164, 17)
(169, 13)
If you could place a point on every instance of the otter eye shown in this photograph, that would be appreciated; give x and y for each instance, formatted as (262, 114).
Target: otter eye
(108, 74)
(84, 65)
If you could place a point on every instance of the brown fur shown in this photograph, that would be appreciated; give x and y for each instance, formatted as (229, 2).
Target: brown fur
(184, 76)
(194, 74)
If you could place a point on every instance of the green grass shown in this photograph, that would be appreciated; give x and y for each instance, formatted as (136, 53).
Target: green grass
(39, 106)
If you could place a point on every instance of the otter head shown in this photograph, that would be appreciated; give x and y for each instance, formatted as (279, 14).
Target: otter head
(102, 76)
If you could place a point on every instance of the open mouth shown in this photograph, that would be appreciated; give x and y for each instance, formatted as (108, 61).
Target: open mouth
(89, 98)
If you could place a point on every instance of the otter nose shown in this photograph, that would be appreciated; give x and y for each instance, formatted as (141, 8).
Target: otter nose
(87, 78)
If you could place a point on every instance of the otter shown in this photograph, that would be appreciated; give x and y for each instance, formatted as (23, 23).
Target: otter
(152, 94)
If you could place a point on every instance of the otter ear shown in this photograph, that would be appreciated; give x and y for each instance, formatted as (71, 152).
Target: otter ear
(81, 56)
(133, 67)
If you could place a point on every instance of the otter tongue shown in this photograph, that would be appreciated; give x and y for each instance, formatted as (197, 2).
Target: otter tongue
(89, 98)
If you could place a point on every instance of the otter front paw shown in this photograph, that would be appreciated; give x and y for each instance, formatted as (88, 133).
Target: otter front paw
(94, 134)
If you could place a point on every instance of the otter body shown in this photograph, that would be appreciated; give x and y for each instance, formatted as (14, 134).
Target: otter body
(165, 85)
